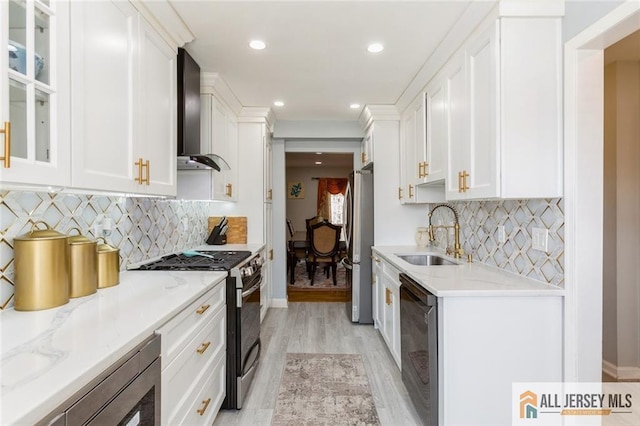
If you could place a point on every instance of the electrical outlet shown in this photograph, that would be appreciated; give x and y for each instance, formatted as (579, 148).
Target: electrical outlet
(540, 239)
(502, 236)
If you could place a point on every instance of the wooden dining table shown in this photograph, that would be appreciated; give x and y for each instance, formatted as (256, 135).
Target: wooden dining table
(299, 242)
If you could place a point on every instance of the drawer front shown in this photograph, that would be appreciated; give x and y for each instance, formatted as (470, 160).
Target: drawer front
(179, 377)
(202, 406)
(179, 330)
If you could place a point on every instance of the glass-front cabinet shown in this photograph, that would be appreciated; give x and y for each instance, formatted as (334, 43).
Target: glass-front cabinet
(34, 100)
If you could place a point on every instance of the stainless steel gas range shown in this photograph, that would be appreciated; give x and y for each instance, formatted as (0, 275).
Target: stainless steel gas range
(243, 310)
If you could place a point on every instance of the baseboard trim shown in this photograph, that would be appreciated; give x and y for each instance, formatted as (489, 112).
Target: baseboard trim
(609, 368)
(620, 373)
(628, 373)
(279, 303)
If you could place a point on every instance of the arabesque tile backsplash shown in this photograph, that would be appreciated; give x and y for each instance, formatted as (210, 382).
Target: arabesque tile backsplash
(142, 227)
(150, 227)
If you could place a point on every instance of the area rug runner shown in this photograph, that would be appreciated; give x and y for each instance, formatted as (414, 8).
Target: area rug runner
(321, 282)
(324, 389)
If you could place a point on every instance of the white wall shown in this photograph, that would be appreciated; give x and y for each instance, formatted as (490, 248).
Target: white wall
(621, 313)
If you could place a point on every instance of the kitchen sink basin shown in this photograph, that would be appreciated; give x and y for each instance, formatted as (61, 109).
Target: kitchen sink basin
(425, 259)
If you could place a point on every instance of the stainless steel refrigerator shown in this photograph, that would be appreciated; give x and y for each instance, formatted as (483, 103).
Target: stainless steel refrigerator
(359, 239)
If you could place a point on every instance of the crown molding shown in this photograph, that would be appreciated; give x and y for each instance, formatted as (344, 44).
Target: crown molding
(257, 115)
(166, 20)
(213, 83)
(372, 113)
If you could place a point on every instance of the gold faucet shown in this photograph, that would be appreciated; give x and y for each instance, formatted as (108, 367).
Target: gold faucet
(457, 251)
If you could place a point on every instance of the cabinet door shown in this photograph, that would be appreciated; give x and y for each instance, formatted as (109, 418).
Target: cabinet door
(34, 92)
(436, 139)
(157, 111)
(102, 95)
(457, 121)
(410, 165)
(420, 144)
(367, 147)
(231, 156)
(376, 276)
(484, 173)
(219, 146)
(268, 166)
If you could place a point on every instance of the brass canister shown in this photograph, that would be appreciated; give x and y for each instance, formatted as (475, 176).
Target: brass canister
(83, 265)
(41, 261)
(108, 265)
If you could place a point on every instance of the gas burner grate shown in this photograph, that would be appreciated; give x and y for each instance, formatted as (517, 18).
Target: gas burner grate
(221, 261)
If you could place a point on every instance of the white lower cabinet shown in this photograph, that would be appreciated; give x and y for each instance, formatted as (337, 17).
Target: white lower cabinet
(193, 361)
(388, 306)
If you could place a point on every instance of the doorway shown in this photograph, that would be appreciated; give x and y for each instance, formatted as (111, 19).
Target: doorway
(621, 225)
(315, 183)
(584, 195)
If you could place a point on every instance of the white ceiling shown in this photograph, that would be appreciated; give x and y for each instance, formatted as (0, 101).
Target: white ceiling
(316, 59)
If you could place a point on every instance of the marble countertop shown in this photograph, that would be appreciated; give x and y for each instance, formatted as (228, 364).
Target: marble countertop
(47, 356)
(464, 279)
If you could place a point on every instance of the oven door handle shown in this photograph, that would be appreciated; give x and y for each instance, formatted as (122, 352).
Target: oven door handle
(252, 289)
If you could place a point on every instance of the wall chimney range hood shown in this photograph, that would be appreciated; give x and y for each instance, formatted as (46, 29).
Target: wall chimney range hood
(189, 156)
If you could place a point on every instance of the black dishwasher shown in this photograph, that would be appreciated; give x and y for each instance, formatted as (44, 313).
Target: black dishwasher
(419, 347)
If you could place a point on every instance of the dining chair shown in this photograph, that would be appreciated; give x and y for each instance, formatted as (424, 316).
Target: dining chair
(324, 248)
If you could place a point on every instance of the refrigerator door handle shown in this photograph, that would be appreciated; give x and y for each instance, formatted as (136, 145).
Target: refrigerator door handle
(346, 263)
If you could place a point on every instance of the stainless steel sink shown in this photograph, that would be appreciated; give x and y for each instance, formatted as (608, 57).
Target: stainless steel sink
(425, 259)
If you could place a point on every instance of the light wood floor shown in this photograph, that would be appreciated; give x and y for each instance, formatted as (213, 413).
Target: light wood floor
(321, 328)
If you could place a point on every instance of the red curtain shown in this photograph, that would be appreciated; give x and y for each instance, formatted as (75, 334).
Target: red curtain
(329, 186)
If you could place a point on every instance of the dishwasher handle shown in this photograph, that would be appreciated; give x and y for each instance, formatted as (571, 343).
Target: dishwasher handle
(419, 292)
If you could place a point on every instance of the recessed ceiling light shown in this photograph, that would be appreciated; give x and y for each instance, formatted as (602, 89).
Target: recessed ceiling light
(354, 106)
(375, 48)
(319, 153)
(318, 162)
(278, 103)
(257, 44)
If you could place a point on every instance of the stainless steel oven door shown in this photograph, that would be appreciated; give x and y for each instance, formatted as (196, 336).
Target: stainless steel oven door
(250, 346)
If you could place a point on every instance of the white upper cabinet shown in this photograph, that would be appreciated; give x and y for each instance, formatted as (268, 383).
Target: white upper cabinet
(505, 104)
(366, 157)
(421, 156)
(219, 135)
(123, 101)
(157, 110)
(434, 166)
(34, 93)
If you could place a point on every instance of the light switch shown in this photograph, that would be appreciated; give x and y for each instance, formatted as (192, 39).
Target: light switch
(540, 239)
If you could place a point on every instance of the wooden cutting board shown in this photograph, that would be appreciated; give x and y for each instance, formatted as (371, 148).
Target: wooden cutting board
(237, 233)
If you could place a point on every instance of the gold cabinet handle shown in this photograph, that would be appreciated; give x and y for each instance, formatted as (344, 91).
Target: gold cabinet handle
(205, 404)
(7, 144)
(363, 157)
(229, 190)
(424, 169)
(387, 296)
(148, 178)
(142, 164)
(399, 193)
(375, 259)
(459, 181)
(271, 254)
(410, 191)
(465, 175)
(270, 196)
(202, 309)
(203, 347)
(419, 170)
